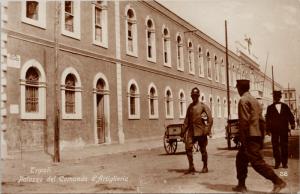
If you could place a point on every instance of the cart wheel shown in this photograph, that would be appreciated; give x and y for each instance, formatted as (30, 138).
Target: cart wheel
(170, 145)
(196, 147)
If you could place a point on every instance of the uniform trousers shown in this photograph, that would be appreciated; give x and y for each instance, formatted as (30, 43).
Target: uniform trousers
(280, 147)
(202, 142)
(250, 151)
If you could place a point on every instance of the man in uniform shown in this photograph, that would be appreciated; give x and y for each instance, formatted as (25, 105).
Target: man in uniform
(251, 136)
(196, 129)
(278, 118)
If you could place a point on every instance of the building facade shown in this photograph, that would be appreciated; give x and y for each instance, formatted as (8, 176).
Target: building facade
(109, 71)
(289, 96)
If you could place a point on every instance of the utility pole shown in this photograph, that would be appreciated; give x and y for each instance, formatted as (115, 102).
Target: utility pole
(288, 92)
(56, 157)
(273, 85)
(227, 71)
(265, 73)
(228, 89)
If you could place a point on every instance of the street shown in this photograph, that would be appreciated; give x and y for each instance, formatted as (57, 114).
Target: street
(144, 171)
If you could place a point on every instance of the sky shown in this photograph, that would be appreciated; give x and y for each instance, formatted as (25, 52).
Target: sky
(272, 25)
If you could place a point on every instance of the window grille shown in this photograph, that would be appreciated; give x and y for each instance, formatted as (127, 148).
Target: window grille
(70, 94)
(31, 95)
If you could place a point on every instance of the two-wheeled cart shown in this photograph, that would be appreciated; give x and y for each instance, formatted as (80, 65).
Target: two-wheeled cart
(172, 136)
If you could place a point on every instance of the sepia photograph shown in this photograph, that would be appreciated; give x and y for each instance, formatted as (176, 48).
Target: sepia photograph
(150, 96)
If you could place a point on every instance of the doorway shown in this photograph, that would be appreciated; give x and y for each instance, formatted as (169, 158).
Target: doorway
(100, 119)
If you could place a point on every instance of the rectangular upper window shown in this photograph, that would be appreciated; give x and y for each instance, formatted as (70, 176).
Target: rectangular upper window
(70, 13)
(100, 23)
(34, 13)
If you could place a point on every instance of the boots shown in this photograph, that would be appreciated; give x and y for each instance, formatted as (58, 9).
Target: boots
(204, 169)
(241, 187)
(191, 169)
(279, 184)
(204, 159)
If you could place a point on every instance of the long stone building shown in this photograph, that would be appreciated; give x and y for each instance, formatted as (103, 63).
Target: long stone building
(112, 71)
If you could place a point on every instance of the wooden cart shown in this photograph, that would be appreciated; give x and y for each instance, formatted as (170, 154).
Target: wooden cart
(172, 137)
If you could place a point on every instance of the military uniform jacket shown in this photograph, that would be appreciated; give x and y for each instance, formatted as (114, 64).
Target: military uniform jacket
(193, 121)
(279, 122)
(250, 112)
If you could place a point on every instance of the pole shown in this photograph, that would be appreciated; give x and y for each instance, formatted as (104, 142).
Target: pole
(228, 94)
(265, 73)
(273, 85)
(227, 72)
(288, 92)
(56, 119)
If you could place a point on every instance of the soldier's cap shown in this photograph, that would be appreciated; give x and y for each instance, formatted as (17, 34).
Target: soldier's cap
(277, 93)
(242, 82)
(195, 91)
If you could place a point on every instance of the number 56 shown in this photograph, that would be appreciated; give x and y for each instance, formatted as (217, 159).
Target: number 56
(283, 173)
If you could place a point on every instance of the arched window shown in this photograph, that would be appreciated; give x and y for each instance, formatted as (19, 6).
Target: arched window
(200, 62)
(33, 91)
(235, 107)
(100, 23)
(209, 70)
(219, 107)
(132, 95)
(180, 63)
(71, 94)
(182, 104)
(202, 98)
(233, 75)
(212, 106)
(150, 34)
(153, 102)
(31, 95)
(252, 81)
(169, 103)
(223, 70)
(166, 47)
(230, 74)
(133, 100)
(191, 59)
(216, 69)
(131, 32)
(225, 108)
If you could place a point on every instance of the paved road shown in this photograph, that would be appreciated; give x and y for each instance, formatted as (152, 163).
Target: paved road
(148, 170)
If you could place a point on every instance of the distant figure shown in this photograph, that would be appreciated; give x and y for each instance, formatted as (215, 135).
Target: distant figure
(196, 130)
(278, 118)
(251, 136)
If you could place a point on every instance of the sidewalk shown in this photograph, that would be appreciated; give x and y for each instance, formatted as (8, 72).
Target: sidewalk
(77, 153)
(93, 150)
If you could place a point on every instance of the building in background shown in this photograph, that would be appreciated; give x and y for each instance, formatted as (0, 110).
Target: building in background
(118, 70)
(289, 96)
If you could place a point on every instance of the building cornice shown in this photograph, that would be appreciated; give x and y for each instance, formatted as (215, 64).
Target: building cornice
(175, 18)
(75, 50)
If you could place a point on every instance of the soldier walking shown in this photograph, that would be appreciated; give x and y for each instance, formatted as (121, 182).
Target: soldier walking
(278, 118)
(251, 136)
(196, 130)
